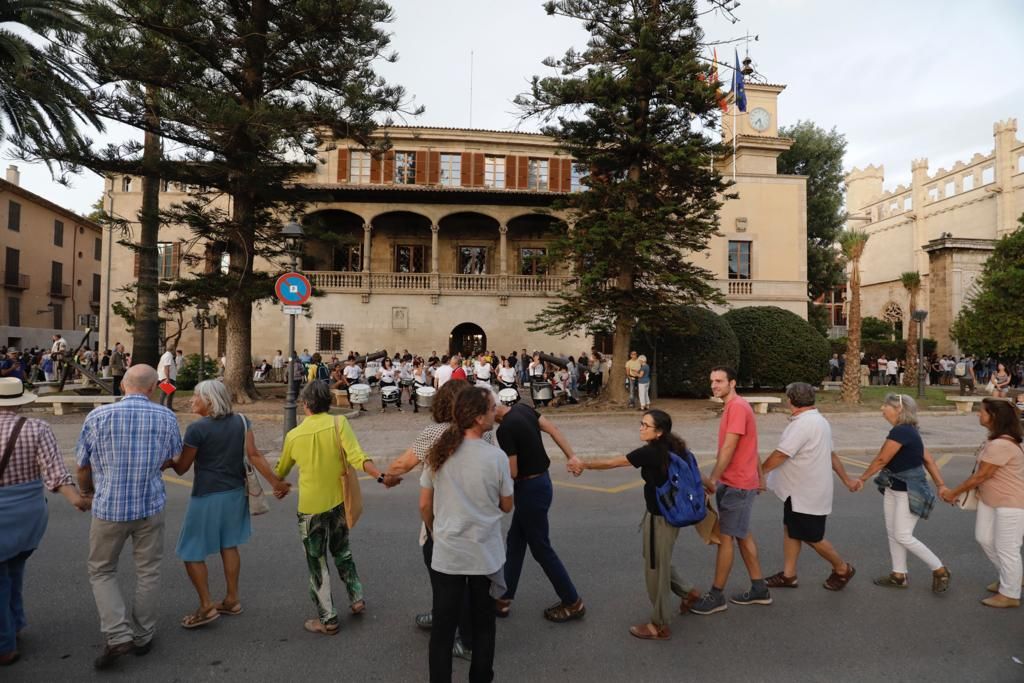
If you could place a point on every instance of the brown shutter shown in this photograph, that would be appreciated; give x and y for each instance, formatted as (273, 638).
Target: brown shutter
(389, 166)
(421, 167)
(135, 268)
(478, 170)
(510, 172)
(434, 172)
(522, 179)
(176, 258)
(343, 164)
(566, 174)
(466, 170)
(555, 174)
(375, 169)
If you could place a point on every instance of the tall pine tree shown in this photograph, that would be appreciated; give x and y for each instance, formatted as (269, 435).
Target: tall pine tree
(633, 109)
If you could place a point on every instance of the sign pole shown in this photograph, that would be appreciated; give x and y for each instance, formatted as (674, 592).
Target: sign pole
(293, 290)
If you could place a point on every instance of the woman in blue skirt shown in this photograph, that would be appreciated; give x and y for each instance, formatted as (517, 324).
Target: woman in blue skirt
(217, 520)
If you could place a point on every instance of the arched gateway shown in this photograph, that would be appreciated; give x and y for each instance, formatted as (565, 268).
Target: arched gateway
(468, 339)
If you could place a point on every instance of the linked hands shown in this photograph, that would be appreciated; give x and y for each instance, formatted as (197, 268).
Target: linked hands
(855, 485)
(947, 495)
(391, 481)
(281, 489)
(574, 466)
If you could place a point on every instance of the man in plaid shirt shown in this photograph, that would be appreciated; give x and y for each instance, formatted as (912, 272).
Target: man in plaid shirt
(120, 451)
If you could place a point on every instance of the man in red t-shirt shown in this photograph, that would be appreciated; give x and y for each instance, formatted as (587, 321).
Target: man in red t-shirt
(735, 481)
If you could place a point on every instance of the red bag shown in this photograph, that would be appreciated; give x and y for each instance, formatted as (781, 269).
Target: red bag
(167, 387)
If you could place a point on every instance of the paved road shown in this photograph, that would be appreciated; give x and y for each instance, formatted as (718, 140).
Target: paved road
(864, 633)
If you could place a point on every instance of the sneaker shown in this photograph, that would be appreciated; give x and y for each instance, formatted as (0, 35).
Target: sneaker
(710, 603)
(1000, 600)
(752, 597)
(461, 651)
(891, 581)
(425, 621)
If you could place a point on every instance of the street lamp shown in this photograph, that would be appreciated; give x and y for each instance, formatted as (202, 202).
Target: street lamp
(918, 317)
(293, 236)
(203, 321)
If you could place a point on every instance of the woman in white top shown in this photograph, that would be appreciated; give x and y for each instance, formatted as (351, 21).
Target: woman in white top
(482, 369)
(406, 380)
(506, 375)
(536, 368)
(387, 376)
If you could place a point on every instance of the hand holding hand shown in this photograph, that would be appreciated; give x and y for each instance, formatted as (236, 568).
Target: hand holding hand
(710, 485)
(575, 466)
(281, 489)
(947, 495)
(84, 503)
(167, 464)
(391, 481)
(855, 485)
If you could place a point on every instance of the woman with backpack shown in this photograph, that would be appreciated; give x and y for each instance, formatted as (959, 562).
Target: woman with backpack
(659, 537)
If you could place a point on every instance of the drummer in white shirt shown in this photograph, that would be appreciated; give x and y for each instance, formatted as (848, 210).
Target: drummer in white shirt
(351, 374)
(387, 376)
(482, 371)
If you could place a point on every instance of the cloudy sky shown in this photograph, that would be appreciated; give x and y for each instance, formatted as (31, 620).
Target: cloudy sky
(902, 80)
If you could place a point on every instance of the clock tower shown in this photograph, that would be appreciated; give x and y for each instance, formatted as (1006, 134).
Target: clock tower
(758, 144)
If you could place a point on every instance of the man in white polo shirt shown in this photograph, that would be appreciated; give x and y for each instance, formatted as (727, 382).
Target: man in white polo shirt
(799, 472)
(167, 371)
(444, 373)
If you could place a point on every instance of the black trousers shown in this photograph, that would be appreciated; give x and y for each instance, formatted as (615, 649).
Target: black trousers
(449, 596)
(465, 626)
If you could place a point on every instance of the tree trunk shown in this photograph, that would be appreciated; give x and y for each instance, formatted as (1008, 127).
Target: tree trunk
(615, 380)
(238, 370)
(910, 376)
(146, 331)
(851, 375)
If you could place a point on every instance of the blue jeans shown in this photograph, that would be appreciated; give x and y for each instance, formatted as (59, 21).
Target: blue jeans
(12, 610)
(530, 528)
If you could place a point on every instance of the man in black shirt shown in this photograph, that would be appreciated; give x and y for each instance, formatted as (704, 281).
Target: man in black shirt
(520, 437)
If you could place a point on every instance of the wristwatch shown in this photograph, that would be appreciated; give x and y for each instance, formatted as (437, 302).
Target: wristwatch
(380, 479)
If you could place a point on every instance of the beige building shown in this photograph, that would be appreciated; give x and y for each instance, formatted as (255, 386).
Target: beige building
(51, 276)
(943, 226)
(441, 241)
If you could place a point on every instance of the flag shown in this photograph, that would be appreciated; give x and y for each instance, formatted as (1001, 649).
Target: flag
(739, 93)
(722, 104)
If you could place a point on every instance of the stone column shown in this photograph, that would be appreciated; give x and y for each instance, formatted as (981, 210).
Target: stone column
(367, 230)
(919, 195)
(434, 229)
(1005, 139)
(503, 248)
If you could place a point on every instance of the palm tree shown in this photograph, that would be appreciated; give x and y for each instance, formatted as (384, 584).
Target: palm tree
(912, 283)
(42, 98)
(852, 243)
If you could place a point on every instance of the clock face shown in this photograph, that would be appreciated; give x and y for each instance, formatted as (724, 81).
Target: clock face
(759, 119)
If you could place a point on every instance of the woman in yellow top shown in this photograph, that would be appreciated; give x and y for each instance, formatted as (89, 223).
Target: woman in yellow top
(315, 446)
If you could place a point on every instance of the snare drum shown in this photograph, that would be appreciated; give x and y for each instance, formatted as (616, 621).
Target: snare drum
(541, 390)
(407, 382)
(508, 397)
(389, 394)
(425, 396)
(359, 393)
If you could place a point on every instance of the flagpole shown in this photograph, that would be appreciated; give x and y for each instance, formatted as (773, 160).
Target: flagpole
(735, 106)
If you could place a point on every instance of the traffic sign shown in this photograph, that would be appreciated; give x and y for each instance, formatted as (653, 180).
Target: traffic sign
(292, 289)
(293, 310)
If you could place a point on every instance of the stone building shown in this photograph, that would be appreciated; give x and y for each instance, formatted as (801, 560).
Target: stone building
(943, 226)
(52, 268)
(442, 240)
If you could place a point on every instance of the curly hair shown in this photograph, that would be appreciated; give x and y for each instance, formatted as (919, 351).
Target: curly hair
(443, 408)
(470, 404)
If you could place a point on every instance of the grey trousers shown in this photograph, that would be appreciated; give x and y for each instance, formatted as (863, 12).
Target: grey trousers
(106, 541)
(663, 581)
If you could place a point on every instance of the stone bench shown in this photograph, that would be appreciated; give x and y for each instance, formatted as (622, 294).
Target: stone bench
(340, 397)
(758, 403)
(964, 404)
(831, 386)
(58, 402)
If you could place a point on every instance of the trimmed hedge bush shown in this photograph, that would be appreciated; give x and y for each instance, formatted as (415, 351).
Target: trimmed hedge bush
(188, 376)
(777, 347)
(684, 357)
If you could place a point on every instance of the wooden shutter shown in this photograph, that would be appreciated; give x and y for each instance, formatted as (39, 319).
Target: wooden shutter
(555, 174)
(375, 167)
(566, 174)
(478, 170)
(135, 268)
(434, 172)
(422, 164)
(343, 156)
(466, 170)
(510, 172)
(389, 166)
(522, 179)
(176, 259)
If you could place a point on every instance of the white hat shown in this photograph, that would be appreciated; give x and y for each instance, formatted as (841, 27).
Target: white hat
(12, 392)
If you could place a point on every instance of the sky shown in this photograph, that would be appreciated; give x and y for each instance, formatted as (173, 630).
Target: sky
(901, 80)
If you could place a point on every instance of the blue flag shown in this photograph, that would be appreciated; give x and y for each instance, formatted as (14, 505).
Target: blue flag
(738, 91)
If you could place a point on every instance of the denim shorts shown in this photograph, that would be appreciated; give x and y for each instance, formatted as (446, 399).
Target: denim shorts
(734, 509)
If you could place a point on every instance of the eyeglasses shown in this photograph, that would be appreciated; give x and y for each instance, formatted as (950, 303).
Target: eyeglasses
(644, 425)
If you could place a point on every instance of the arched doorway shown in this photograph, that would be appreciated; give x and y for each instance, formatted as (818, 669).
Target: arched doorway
(467, 339)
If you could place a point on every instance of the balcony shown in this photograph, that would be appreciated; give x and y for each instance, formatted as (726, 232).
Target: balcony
(439, 283)
(762, 290)
(15, 280)
(59, 290)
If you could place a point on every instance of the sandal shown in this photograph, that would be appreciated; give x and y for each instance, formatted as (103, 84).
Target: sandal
(234, 610)
(780, 580)
(502, 607)
(200, 618)
(358, 607)
(940, 580)
(836, 581)
(317, 626)
(650, 632)
(892, 581)
(561, 613)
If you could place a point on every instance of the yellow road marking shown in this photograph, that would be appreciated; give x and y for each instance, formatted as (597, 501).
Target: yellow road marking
(629, 486)
(852, 461)
(944, 459)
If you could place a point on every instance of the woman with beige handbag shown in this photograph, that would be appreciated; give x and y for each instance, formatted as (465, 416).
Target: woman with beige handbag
(997, 485)
(328, 454)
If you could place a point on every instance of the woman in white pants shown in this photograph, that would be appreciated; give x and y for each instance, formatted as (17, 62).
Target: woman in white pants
(999, 478)
(908, 496)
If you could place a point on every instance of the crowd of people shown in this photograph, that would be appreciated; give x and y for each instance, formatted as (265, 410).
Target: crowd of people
(996, 376)
(478, 460)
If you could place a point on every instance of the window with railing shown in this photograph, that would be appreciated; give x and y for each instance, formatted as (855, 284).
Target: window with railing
(531, 261)
(494, 171)
(410, 258)
(537, 174)
(405, 168)
(329, 338)
(451, 170)
(347, 258)
(472, 260)
(359, 167)
(739, 260)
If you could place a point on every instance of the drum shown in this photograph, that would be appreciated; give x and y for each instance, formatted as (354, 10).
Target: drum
(508, 397)
(425, 396)
(407, 382)
(390, 394)
(359, 393)
(541, 390)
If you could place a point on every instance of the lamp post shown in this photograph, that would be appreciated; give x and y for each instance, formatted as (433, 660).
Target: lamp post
(293, 236)
(918, 317)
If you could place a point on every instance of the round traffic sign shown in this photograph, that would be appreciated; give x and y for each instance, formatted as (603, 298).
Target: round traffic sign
(293, 289)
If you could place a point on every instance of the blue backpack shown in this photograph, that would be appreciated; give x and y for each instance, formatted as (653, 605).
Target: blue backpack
(681, 498)
(323, 373)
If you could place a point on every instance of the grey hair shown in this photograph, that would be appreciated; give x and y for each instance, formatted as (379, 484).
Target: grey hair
(800, 394)
(642, 358)
(317, 396)
(906, 406)
(215, 395)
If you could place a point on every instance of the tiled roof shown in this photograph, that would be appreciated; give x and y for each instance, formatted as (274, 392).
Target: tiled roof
(460, 129)
(427, 188)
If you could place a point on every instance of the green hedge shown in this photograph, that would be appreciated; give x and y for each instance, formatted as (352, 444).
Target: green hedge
(683, 358)
(777, 347)
(188, 376)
